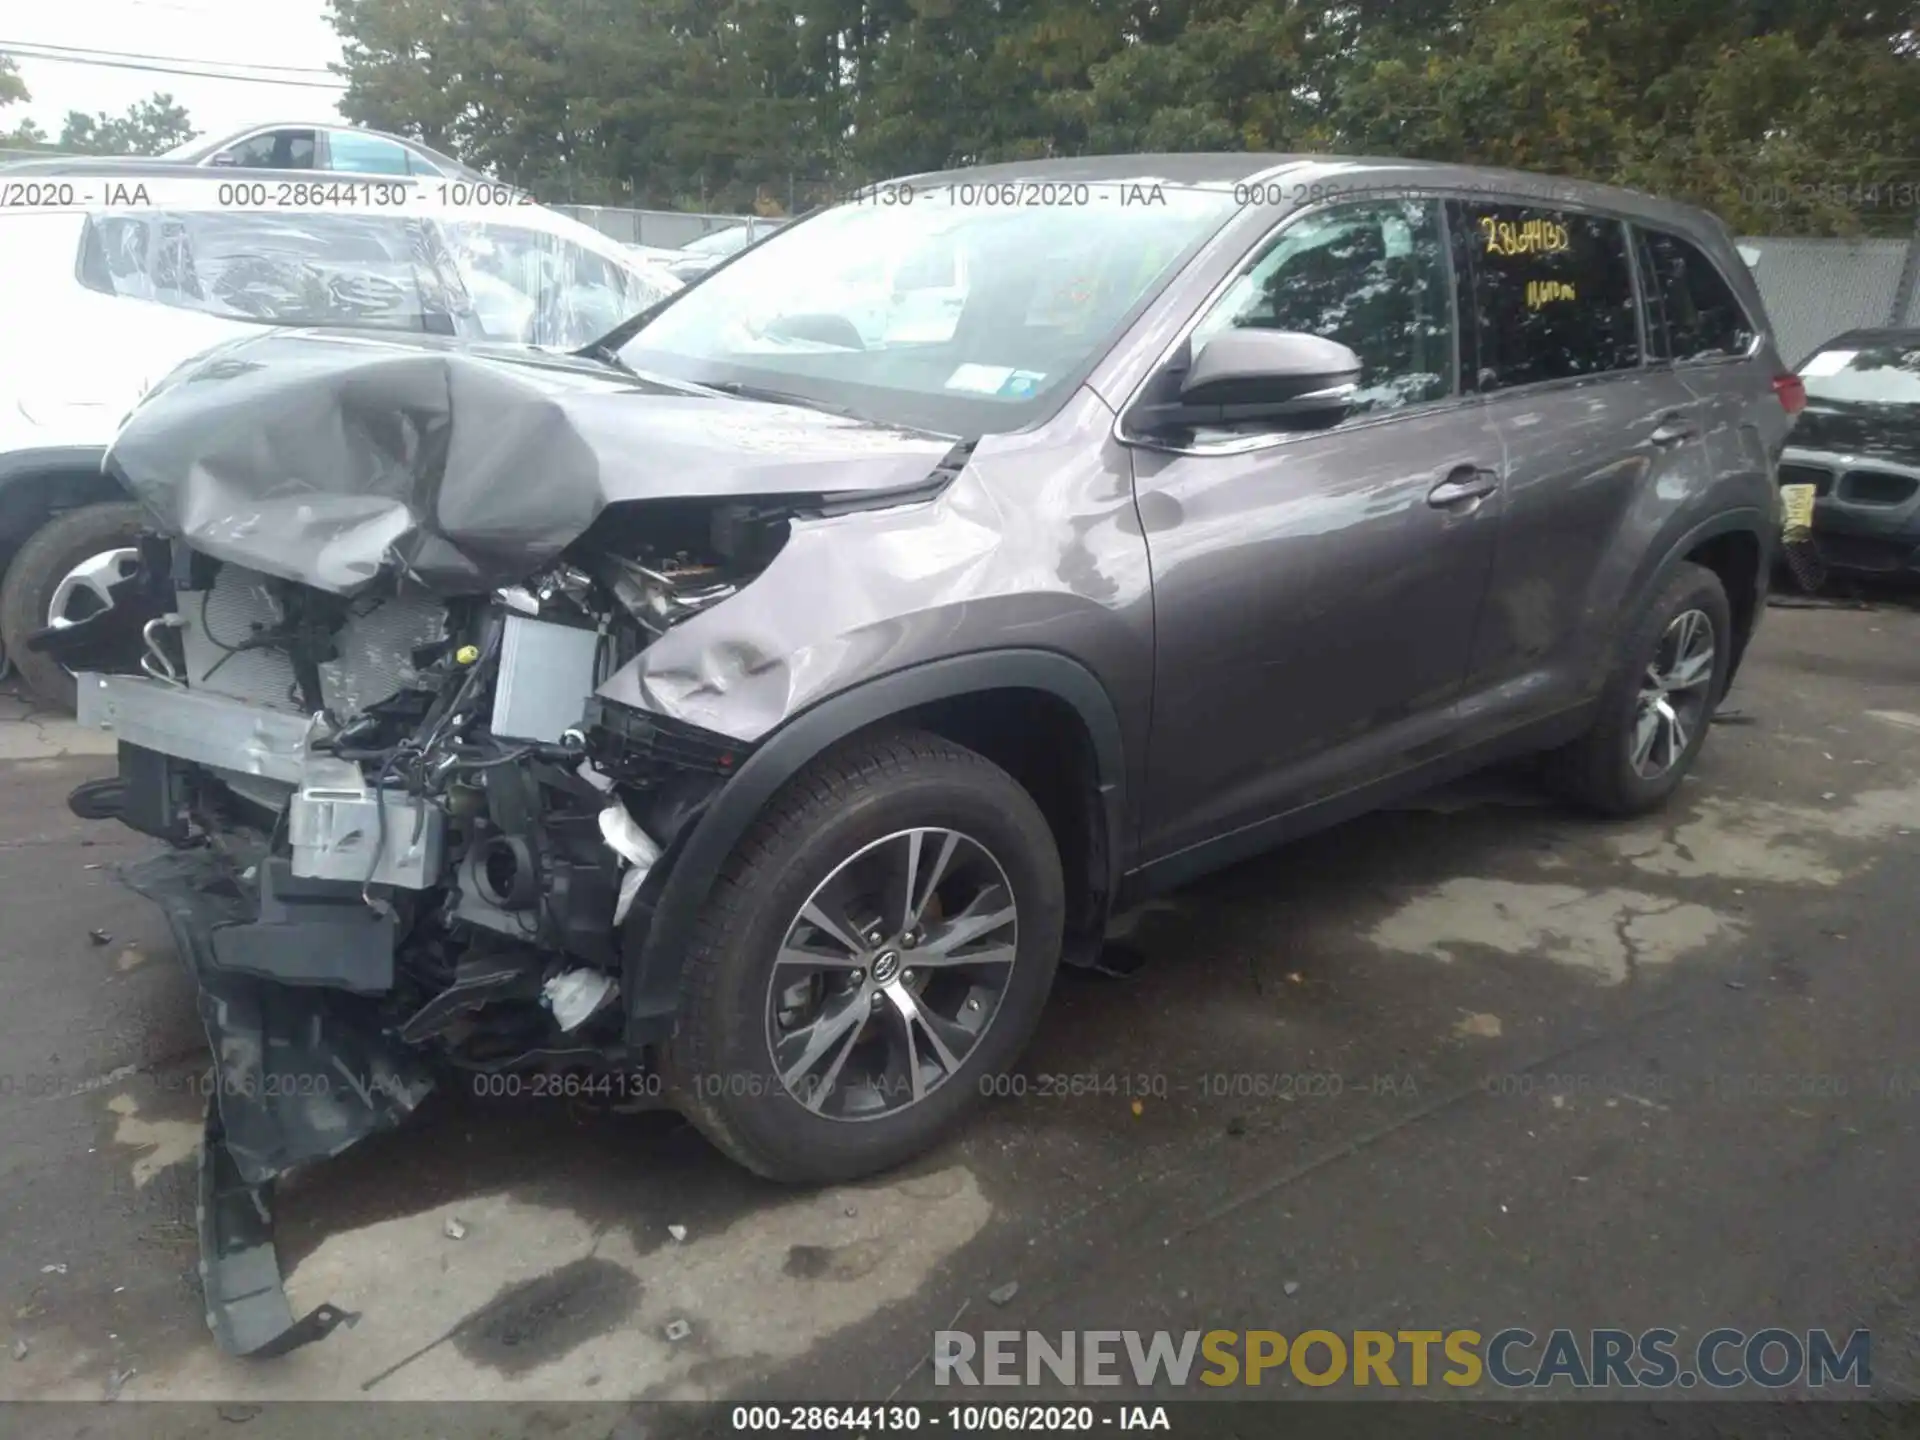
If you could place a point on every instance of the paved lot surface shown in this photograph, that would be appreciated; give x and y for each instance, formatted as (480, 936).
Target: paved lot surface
(1479, 1063)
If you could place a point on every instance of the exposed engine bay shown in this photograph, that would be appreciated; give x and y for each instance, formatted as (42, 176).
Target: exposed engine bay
(407, 840)
(440, 759)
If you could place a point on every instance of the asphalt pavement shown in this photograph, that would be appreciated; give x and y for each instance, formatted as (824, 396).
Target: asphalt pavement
(1479, 1062)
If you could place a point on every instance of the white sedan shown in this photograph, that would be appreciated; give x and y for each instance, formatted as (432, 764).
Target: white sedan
(115, 299)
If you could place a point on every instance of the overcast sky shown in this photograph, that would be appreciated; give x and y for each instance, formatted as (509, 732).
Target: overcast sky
(217, 34)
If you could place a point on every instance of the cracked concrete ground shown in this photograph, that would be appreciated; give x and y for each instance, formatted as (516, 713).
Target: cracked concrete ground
(1479, 1061)
(30, 730)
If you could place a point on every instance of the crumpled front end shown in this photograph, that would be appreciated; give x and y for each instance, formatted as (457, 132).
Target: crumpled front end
(441, 664)
(408, 840)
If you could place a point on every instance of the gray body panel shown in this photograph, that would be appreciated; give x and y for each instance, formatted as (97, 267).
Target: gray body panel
(1312, 608)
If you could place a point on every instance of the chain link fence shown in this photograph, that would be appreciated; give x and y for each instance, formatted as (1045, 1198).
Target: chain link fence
(667, 229)
(1814, 289)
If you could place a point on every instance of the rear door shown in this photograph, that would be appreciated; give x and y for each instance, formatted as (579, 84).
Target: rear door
(1719, 352)
(1602, 440)
(1315, 592)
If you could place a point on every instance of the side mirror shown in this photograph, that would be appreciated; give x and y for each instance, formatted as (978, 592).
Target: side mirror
(1271, 374)
(1283, 379)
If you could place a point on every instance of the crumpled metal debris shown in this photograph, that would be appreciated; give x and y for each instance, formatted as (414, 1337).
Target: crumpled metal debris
(328, 480)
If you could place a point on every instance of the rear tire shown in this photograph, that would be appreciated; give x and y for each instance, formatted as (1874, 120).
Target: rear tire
(1602, 770)
(36, 572)
(849, 809)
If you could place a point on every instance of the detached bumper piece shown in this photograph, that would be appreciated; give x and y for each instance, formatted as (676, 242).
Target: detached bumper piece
(247, 1307)
(300, 1073)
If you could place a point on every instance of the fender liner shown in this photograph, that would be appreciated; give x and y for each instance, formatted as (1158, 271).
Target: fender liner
(652, 979)
(1747, 519)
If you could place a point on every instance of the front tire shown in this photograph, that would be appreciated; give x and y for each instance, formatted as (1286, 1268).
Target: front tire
(1657, 704)
(874, 954)
(67, 566)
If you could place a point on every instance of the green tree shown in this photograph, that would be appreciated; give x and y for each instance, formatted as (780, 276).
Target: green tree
(1795, 115)
(1743, 105)
(13, 91)
(149, 127)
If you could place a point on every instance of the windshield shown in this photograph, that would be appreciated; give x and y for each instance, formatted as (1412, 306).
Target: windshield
(1883, 373)
(951, 313)
(283, 269)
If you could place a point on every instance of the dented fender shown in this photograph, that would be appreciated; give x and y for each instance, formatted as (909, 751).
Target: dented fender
(865, 615)
(652, 973)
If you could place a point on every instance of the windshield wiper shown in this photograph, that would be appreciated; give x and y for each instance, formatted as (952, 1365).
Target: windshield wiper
(778, 397)
(609, 345)
(607, 355)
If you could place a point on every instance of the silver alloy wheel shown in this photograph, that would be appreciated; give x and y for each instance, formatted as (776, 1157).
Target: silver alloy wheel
(891, 974)
(82, 591)
(1674, 694)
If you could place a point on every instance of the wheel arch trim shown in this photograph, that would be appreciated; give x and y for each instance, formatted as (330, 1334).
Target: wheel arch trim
(652, 977)
(1747, 520)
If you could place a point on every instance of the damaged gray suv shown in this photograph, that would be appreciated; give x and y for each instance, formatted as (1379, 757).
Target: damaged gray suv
(753, 710)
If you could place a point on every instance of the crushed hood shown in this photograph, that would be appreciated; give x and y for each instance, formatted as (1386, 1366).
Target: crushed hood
(329, 457)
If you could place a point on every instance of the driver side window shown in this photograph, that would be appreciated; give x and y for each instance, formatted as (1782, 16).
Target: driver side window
(1372, 276)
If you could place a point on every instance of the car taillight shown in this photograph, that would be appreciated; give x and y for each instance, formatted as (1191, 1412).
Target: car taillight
(1792, 392)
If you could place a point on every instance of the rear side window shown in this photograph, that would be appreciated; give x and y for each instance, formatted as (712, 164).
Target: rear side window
(1552, 293)
(279, 269)
(357, 154)
(1703, 318)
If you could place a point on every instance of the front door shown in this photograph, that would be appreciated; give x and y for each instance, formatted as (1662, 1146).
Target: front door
(1316, 594)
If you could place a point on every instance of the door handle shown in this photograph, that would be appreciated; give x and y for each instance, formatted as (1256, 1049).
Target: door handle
(1673, 429)
(1464, 485)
